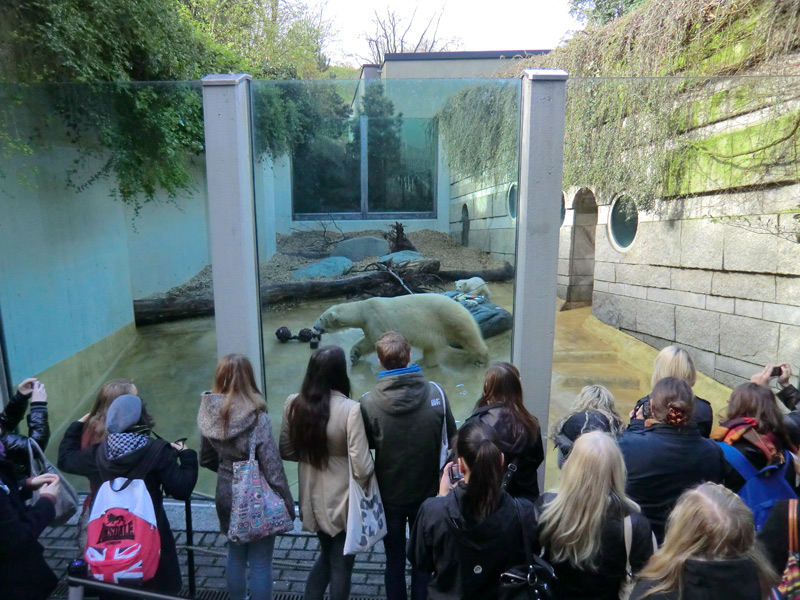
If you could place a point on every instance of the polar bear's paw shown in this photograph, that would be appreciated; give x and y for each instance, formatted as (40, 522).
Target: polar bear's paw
(354, 355)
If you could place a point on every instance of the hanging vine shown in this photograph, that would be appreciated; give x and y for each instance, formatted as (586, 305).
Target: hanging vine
(657, 105)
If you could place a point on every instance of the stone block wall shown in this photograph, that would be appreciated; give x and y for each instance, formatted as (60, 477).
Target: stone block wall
(709, 276)
(490, 226)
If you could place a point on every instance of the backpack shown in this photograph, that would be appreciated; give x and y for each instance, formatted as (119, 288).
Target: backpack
(124, 545)
(789, 587)
(762, 489)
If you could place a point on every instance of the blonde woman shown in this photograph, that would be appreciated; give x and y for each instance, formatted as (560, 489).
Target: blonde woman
(581, 523)
(675, 362)
(709, 552)
(593, 409)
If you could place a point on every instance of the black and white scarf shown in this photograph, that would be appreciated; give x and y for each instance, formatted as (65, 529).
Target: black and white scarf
(120, 444)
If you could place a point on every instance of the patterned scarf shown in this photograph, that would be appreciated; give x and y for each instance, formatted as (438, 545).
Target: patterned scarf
(744, 428)
(120, 444)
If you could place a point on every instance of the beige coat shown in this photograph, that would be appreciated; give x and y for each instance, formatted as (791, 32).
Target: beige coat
(324, 494)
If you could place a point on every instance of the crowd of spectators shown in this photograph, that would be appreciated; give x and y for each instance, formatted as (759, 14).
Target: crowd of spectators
(663, 507)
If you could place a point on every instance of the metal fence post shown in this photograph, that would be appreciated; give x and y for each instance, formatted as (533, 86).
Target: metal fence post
(231, 212)
(538, 220)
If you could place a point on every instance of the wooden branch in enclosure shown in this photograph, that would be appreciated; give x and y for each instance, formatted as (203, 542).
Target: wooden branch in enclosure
(158, 310)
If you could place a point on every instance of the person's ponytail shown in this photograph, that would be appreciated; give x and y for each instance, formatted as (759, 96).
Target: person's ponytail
(477, 447)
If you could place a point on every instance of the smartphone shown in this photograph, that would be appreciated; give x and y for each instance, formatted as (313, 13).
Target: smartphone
(455, 473)
(776, 372)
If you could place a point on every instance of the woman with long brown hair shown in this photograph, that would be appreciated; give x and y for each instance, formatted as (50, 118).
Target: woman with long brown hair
(230, 415)
(709, 552)
(324, 432)
(519, 435)
(754, 429)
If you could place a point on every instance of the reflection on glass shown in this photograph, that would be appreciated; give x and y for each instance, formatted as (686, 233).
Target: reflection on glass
(356, 163)
(624, 221)
(104, 255)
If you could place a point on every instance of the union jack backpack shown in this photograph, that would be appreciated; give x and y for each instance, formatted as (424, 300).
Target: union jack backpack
(123, 545)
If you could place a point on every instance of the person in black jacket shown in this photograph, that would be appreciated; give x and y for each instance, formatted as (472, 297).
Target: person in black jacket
(668, 455)
(709, 552)
(676, 362)
(519, 435)
(593, 409)
(16, 445)
(24, 573)
(403, 417)
(169, 466)
(472, 532)
(582, 523)
(774, 536)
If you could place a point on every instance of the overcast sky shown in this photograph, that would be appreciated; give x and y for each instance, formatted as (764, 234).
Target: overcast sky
(480, 24)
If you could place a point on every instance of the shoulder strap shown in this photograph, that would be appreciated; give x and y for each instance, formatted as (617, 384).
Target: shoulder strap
(794, 542)
(737, 460)
(627, 529)
(525, 542)
(445, 439)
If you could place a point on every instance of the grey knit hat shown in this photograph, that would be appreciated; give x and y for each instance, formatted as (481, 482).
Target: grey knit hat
(123, 413)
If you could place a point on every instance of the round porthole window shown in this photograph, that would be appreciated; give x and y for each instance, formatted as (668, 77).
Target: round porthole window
(623, 222)
(511, 200)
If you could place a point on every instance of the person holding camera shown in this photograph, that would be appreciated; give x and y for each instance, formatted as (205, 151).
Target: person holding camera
(668, 455)
(471, 533)
(16, 445)
(786, 393)
(675, 362)
(24, 573)
(403, 418)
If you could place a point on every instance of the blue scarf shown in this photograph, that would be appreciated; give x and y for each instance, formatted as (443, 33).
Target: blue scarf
(403, 371)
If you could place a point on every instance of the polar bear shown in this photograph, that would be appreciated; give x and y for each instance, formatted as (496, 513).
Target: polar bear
(473, 285)
(431, 322)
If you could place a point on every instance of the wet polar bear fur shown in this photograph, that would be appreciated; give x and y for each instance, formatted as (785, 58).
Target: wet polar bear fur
(430, 322)
(473, 285)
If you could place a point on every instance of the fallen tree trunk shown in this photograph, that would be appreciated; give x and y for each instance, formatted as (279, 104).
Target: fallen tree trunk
(377, 283)
(505, 273)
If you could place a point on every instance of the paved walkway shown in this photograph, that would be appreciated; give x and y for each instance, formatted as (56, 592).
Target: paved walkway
(294, 554)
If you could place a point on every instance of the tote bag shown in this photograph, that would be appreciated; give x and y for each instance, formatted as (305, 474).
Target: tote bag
(257, 511)
(366, 520)
(67, 500)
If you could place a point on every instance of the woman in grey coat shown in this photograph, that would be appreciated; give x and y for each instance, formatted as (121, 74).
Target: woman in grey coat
(228, 416)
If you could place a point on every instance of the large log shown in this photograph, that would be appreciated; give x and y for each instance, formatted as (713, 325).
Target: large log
(157, 310)
(505, 273)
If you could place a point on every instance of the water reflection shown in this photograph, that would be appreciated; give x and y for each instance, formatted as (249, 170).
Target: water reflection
(172, 363)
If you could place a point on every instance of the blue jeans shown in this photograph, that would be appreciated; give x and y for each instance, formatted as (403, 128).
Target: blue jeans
(395, 545)
(332, 567)
(258, 555)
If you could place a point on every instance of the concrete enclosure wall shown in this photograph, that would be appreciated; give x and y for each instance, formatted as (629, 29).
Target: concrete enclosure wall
(490, 227)
(701, 277)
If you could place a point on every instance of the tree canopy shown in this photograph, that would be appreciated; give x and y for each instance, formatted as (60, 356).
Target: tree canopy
(144, 134)
(392, 33)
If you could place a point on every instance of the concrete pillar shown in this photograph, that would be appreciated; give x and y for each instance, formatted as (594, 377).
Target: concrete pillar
(538, 221)
(231, 214)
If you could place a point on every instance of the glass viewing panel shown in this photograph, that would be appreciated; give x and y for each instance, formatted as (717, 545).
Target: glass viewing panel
(104, 255)
(326, 201)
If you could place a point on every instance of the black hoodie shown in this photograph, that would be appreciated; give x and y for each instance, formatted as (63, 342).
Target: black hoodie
(159, 465)
(735, 579)
(467, 558)
(403, 420)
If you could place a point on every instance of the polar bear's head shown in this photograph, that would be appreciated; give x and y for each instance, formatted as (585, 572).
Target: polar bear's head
(462, 285)
(328, 321)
